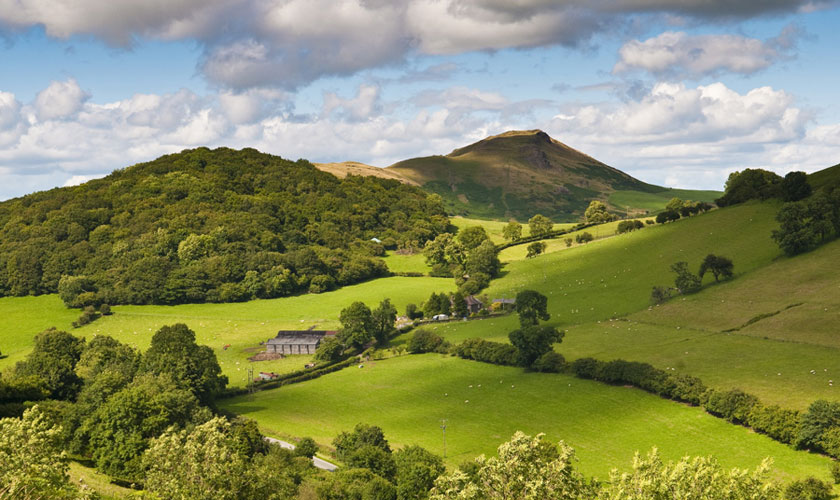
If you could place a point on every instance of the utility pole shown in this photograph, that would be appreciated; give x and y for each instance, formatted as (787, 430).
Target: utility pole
(250, 383)
(443, 428)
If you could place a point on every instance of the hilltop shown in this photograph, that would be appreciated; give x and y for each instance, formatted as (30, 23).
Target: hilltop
(521, 173)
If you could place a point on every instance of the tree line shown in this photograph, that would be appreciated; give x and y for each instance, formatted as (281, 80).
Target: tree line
(209, 225)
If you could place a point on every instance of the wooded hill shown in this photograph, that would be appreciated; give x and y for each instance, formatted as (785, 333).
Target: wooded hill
(208, 225)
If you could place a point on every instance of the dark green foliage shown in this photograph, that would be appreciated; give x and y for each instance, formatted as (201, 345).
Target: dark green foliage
(734, 405)
(550, 362)
(626, 226)
(750, 184)
(531, 306)
(417, 470)
(816, 423)
(121, 428)
(584, 237)
(471, 266)
(438, 303)
(718, 265)
(809, 488)
(805, 224)
(425, 341)
(471, 237)
(685, 281)
(660, 294)
(488, 352)
(306, 447)
(382, 320)
(330, 349)
(535, 248)
(779, 423)
(89, 314)
(835, 472)
(587, 368)
(667, 216)
(459, 305)
(356, 325)
(189, 227)
(355, 484)
(533, 342)
(53, 360)
(412, 312)
(193, 367)
(795, 186)
(373, 458)
(245, 437)
(362, 435)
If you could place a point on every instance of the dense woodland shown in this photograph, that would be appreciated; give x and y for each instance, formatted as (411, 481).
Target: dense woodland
(208, 225)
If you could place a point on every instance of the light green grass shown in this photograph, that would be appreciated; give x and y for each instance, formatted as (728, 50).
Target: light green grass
(520, 252)
(495, 228)
(409, 396)
(242, 325)
(98, 482)
(413, 263)
(23, 317)
(654, 202)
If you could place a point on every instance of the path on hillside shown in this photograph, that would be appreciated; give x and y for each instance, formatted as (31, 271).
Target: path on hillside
(317, 462)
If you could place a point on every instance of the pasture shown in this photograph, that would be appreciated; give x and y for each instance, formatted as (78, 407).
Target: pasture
(655, 202)
(483, 405)
(241, 326)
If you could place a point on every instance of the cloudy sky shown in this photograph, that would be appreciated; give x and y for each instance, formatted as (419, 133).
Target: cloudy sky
(675, 92)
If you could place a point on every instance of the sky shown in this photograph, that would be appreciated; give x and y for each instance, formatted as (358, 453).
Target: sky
(678, 93)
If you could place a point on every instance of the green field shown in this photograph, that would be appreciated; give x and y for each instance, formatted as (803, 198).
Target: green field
(411, 263)
(495, 228)
(485, 404)
(654, 202)
(241, 325)
(23, 317)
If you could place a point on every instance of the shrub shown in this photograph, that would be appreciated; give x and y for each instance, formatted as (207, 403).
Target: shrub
(734, 405)
(779, 423)
(424, 341)
(306, 447)
(585, 367)
(809, 488)
(488, 352)
(550, 362)
(660, 294)
(626, 226)
(584, 238)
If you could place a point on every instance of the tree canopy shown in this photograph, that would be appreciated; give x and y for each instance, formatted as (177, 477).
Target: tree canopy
(208, 225)
(531, 306)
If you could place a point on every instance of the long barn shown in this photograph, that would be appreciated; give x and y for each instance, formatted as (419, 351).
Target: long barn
(296, 341)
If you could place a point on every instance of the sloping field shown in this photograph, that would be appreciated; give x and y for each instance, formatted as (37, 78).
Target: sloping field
(483, 405)
(241, 326)
(654, 202)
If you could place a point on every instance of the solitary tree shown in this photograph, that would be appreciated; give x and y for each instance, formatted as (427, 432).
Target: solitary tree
(686, 282)
(718, 265)
(540, 225)
(534, 341)
(472, 236)
(531, 306)
(535, 249)
(513, 231)
(356, 325)
(597, 213)
(383, 318)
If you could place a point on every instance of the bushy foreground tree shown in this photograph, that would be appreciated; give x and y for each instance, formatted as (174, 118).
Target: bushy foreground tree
(529, 468)
(32, 462)
(531, 306)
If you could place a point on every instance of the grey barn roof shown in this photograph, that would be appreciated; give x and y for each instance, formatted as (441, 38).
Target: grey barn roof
(297, 337)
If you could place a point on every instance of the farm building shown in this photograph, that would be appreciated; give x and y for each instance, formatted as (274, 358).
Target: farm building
(473, 304)
(296, 341)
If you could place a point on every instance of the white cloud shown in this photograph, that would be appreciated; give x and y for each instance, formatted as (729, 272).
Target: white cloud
(79, 179)
(362, 107)
(677, 53)
(289, 43)
(60, 100)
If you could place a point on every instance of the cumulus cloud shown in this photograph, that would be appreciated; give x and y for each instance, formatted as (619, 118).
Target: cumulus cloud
(60, 100)
(289, 43)
(365, 105)
(677, 53)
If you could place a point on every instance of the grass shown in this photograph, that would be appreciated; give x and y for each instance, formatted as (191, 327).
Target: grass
(520, 252)
(495, 228)
(98, 482)
(485, 404)
(23, 317)
(412, 263)
(654, 202)
(242, 325)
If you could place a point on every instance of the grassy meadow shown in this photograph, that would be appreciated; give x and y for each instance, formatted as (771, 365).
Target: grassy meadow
(483, 406)
(241, 325)
(655, 202)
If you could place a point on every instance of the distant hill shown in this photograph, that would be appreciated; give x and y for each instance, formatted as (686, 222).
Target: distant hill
(345, 168)
(208, 225)
(827, 177)
(520, 173)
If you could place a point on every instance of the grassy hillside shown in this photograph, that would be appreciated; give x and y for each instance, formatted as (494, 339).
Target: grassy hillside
(518, 174)
(825, 177)
(241, 325)
(485, 404)
(640, 201)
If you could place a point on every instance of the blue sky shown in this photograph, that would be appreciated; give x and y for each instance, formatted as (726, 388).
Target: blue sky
(674, 92)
